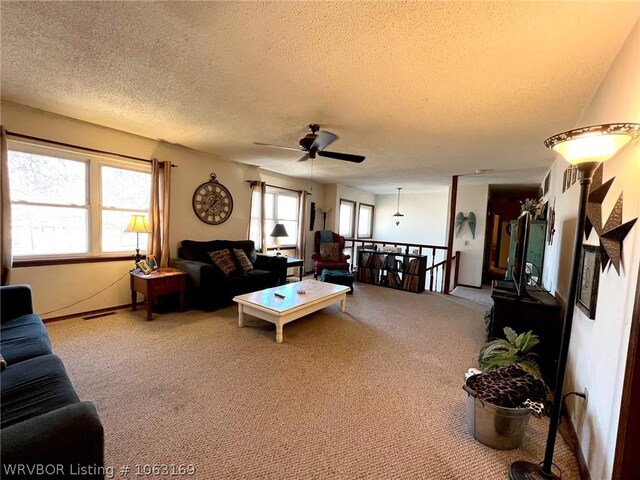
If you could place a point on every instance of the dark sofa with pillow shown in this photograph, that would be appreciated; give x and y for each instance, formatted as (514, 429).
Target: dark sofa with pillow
(43, 422)
(215, 279)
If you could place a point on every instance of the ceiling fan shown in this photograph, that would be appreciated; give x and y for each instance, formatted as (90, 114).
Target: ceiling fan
(314, 143)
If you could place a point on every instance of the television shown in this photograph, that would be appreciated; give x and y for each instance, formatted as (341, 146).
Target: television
(519, 274)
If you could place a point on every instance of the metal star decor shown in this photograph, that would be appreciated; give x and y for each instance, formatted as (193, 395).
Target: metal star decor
(594, 207)
(612, 235)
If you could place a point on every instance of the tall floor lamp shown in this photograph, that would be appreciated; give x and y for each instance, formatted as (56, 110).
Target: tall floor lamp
(586, 148)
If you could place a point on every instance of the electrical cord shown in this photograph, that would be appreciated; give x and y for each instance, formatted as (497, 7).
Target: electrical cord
(87, 298)
(535, 283)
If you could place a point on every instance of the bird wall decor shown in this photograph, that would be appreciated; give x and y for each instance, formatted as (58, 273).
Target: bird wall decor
(471, 220)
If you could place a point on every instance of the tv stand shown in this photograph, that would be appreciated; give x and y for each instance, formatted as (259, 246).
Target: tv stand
(538, 311)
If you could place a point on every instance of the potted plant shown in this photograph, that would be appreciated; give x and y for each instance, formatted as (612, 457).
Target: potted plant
(500, 398)
(514, 350)
(534, 207)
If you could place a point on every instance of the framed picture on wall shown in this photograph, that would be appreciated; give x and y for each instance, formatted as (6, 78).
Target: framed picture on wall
(587, 295)
(545, 183)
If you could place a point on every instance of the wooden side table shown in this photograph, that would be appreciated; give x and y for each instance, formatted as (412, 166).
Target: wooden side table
(296, 262)
(160, 282)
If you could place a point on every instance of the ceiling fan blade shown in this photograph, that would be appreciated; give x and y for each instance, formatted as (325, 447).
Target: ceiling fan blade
(323, 139)
(304, 157)
(343, 156)
(276, 146)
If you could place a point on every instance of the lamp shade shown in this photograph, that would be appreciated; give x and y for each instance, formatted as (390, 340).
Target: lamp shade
(138, 224)
(279, 231)
(597, 143)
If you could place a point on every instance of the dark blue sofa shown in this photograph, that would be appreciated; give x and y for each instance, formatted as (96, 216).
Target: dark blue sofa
(43, 422)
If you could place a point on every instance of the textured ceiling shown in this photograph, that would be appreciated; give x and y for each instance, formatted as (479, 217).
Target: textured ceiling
(424, 90)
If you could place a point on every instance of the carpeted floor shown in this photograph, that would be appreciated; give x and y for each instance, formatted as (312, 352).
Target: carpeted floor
(371, 393)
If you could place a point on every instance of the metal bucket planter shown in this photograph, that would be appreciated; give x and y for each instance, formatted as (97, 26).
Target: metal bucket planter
(494, 426)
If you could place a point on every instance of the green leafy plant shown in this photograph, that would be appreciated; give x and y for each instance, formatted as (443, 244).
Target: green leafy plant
(515, 349)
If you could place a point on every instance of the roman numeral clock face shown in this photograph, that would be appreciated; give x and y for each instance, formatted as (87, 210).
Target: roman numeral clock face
(212, 202)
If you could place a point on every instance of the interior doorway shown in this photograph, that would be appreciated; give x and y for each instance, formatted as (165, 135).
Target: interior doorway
(503, 207)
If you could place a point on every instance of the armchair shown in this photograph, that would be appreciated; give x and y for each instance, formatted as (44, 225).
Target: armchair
(320, 264)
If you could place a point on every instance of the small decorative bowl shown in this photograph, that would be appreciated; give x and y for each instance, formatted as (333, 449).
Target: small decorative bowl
(301, 291)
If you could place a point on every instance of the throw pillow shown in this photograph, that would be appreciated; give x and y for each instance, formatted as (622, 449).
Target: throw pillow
(245, 263)
(329, 252)
(224, 261)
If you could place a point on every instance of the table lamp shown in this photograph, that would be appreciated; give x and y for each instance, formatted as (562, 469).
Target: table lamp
(138, 224)
(277, 232)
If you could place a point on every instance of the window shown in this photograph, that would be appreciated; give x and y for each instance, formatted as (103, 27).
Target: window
(64, 204)
(365, 221)
(347, 218)
(281, 206)
(124, 193)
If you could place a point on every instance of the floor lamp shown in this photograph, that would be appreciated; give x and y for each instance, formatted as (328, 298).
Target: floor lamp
(585, 148)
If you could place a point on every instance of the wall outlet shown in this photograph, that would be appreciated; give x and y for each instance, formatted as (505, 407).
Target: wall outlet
(466, 243)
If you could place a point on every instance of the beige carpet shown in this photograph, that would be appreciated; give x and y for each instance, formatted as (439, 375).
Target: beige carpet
(371, 393)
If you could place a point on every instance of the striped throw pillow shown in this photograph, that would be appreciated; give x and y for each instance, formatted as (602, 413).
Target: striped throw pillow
(224, 261)
(244, 261)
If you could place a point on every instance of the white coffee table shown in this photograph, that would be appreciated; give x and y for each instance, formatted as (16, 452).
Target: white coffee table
(266, 305)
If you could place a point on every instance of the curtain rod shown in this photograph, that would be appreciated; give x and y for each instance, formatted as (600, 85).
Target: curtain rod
(281, 188)
(94, 150)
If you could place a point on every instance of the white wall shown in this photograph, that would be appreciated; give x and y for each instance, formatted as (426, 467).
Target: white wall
(61, 285)
(471, 198)
(598, 348)
(355, 195)
(424, 221)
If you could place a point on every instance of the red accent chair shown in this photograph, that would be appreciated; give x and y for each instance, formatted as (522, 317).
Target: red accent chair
(319, 264)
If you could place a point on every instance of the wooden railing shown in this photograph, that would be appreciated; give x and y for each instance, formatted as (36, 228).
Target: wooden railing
(437, 275)
(436, 258)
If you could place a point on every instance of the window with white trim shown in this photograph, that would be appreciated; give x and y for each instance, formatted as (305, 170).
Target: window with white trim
(365, 220)
(347, 218)
(281, 206)
(64, 204)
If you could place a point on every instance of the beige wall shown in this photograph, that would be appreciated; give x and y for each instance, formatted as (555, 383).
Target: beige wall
(424, 221)
(61, 285)
(471, 198)
(598, 350)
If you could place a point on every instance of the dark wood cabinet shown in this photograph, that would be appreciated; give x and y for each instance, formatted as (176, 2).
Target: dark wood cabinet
(401, 271)
(539, 312)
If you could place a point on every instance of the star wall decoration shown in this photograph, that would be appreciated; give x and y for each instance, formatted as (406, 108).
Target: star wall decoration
(597, 193)
(612, 235)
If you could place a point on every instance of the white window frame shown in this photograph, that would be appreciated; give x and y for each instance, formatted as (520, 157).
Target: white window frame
(277, 192)
(353, 205)
(94, 196)
(373, 208)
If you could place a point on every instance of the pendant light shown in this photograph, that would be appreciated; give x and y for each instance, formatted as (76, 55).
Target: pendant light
(398, 214)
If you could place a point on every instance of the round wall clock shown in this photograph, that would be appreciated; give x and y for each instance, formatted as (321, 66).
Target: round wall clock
(212, 202)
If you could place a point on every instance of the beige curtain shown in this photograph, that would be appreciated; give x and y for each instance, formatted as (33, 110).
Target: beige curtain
(301, 245)
(159, 211)
(257, 232)
(5, 211)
